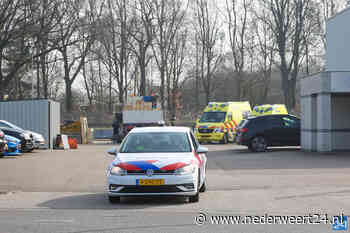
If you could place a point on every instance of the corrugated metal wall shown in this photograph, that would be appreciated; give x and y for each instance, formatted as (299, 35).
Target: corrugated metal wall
(33, 115)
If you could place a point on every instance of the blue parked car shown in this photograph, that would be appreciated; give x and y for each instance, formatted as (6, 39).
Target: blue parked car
(14, 146)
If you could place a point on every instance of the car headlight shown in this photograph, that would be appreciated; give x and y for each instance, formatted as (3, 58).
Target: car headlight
(39, 137)
(117, 171)
(26, 136)
(219, 130)
(185, 170)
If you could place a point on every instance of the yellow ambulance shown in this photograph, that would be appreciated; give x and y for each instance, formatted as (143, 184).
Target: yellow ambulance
(219, 120)
(269, 109)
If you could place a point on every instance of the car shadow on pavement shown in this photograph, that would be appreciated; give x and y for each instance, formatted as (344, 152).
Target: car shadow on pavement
(275, 158)
(9, 157)
(269, 150)
(100, 201)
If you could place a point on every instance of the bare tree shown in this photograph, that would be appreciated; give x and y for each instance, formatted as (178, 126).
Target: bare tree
(208, 35)
(71, 34)
(114, 52)
(142, 33)
(176, 66)
(266, 48)
(237, 23)
(168, 17)
(22, 24)
(287, 21)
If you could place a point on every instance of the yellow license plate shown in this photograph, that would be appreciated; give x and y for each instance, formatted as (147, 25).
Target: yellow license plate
(150, 182)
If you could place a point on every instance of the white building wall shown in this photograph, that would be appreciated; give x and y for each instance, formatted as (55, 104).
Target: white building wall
(338, 43)
(341, 122)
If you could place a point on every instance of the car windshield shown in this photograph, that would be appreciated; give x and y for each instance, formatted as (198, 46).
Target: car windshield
(213, 117)
(156, 142)
(7, 124)
(242, 123)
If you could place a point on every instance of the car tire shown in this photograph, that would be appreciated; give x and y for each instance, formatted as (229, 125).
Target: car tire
(258, 144)
(114, 200)
(224, 139)
(195, 198)
(250, 147)
(203, 188)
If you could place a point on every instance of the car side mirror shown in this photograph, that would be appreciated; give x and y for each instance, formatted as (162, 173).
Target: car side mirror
(112, 151)
(202, 150)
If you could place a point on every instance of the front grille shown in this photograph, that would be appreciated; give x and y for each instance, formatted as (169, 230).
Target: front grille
(205, 130)
(150, 189)
(155, 172)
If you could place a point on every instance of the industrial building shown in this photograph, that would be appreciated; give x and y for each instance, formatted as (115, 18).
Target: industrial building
(325, 97)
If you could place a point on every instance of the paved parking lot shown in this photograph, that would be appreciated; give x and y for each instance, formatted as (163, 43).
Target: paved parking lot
(63, 185)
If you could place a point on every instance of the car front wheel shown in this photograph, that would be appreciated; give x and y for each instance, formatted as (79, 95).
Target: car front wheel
(258, 144)
(203, 188)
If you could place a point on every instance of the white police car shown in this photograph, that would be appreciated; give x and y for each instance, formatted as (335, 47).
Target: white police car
(158, 161)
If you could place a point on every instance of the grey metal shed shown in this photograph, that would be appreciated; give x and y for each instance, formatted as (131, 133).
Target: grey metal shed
(40, 116)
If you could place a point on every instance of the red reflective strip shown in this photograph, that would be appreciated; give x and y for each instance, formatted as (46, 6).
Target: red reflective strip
(127, 166)
(173, 166)
(212, 127)
(198, 158)
(234, 122)
(231, 124)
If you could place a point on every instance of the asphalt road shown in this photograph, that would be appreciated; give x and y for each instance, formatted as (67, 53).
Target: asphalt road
(63, 191)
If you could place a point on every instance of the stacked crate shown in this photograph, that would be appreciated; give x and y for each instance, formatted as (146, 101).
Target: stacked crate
(140, 103)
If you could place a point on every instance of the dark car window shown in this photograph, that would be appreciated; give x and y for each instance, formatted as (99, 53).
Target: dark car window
(242, 123)
(3, 125)
(290, 122)
(275, 122)
(213, 117)
(156, 142)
